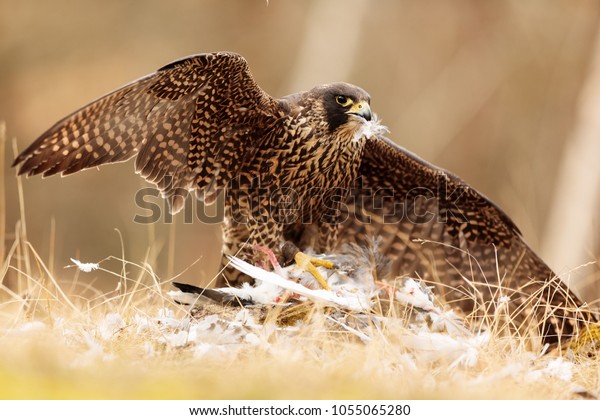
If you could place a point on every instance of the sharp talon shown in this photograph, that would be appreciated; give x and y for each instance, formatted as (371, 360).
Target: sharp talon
(308, 263)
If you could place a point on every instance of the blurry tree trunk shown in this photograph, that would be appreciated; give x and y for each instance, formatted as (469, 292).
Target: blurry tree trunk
(572, 230)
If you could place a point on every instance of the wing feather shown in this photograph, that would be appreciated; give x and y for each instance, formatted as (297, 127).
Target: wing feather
(191, 125)
(432, 225)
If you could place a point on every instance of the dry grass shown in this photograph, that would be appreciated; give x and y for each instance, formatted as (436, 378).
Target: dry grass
(124, 345)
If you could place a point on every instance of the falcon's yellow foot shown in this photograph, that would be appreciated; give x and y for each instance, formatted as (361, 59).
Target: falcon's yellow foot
(310, 264)
(290, 252)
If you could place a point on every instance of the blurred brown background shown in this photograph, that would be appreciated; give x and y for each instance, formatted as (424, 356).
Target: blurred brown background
(493, 91)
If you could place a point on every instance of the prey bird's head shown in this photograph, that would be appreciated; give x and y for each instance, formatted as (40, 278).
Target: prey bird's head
(346, 106)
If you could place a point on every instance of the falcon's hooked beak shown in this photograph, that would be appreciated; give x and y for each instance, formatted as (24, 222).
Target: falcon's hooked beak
(361, 109)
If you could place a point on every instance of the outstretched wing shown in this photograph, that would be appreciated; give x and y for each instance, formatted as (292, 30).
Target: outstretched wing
(431, 224)
(191, 125)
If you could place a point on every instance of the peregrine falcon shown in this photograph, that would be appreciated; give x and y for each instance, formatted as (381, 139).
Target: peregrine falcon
(313, 168)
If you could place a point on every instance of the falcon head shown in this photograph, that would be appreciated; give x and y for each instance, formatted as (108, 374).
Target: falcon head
(346, 106)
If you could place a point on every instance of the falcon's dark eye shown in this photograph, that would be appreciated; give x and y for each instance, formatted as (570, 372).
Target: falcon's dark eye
(343, 100)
